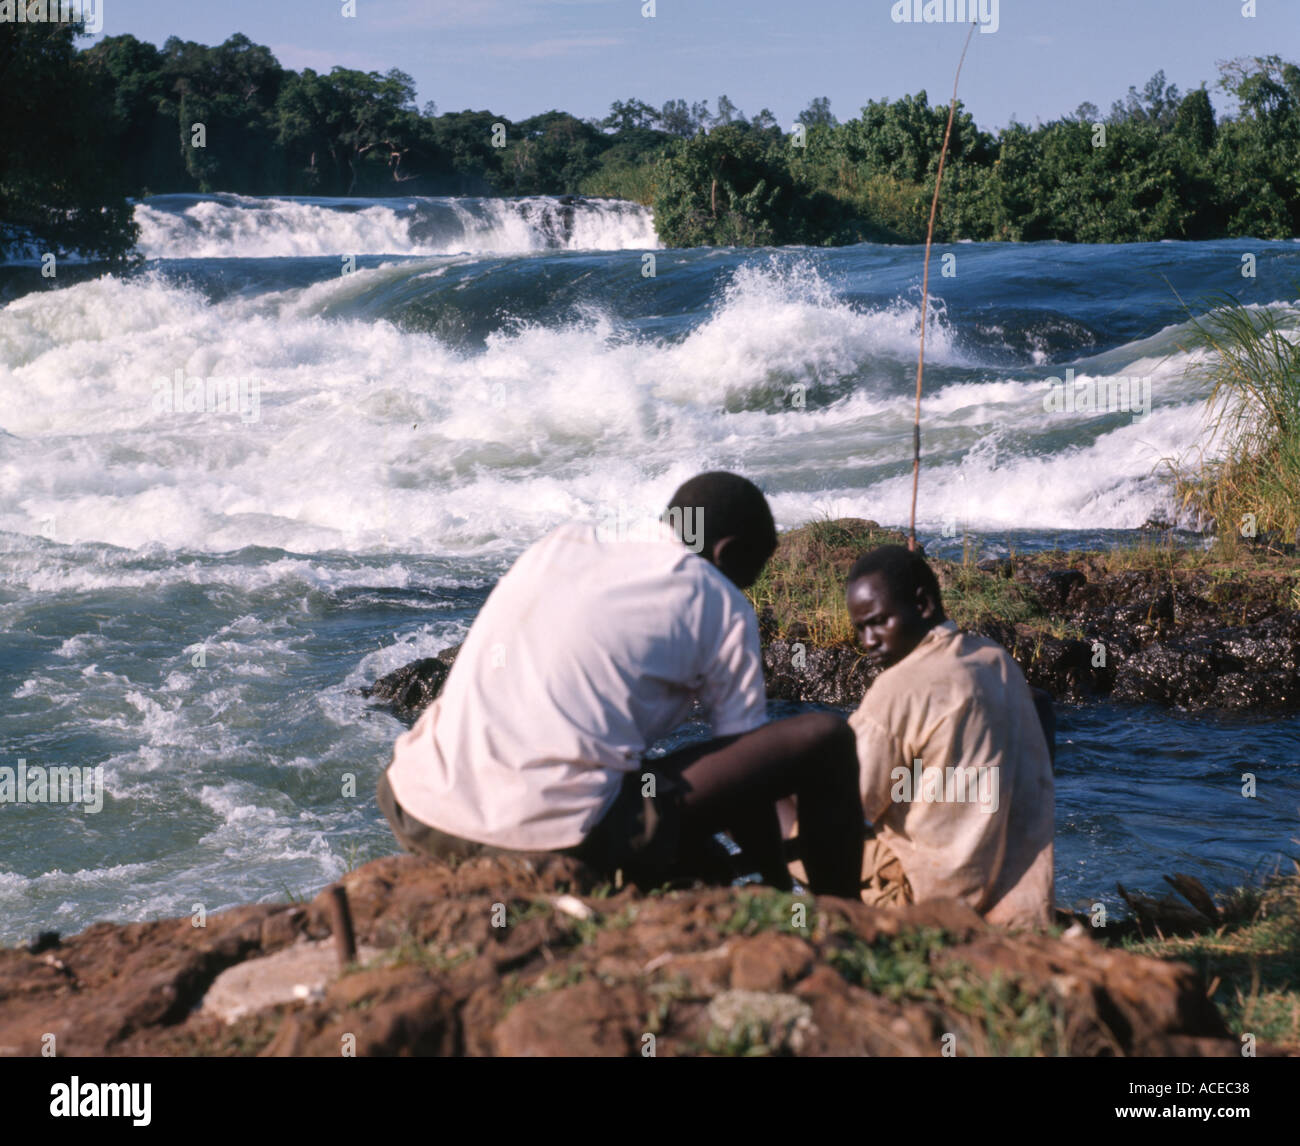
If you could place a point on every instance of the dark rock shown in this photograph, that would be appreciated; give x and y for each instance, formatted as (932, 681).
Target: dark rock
(1055, 585)
(796, 670)
(1233, 668)
(1060, 666)
(43, 942)
(409, 690)
(999, 566)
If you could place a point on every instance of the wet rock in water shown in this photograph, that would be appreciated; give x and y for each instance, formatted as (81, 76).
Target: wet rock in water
(696, 971)
(1255, 669)
(997, 566)
(409, 690)
(1062, 666)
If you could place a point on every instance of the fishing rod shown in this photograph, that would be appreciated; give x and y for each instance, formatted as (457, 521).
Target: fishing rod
(925, 294)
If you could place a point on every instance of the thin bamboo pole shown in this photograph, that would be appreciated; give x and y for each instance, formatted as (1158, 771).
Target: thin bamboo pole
(925, 295)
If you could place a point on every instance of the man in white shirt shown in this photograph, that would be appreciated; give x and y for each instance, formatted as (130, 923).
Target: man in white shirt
(588, 651)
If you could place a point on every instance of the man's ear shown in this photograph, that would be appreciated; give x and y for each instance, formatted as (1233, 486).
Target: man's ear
(926, 605)
(734, 563)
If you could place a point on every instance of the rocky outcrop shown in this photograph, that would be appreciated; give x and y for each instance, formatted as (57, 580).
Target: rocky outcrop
(1171, 630)
(1136, 649)
(527, 956)
(409, 690)
(800, 670)
(1192, 640)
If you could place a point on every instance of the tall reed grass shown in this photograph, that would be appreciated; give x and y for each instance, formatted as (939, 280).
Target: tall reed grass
(1246, 473)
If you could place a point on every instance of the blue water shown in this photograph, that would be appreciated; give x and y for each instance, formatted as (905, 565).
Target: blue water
(191, 599)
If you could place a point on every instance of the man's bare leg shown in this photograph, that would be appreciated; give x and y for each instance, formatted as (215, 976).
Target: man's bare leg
(733, 784)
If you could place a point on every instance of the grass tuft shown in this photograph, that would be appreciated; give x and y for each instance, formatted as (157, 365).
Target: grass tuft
(800, 593)
(1250, 462)
(1251, 961)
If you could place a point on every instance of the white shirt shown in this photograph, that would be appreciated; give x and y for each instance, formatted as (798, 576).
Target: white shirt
(586, 652)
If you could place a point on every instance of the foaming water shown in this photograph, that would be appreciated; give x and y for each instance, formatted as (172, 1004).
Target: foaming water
(218, 695)
(191, 597)
(238, 226)
(369, 437)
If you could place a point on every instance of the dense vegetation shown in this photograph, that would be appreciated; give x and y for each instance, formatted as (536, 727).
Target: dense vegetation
(59, 181)
(1158, 166)
(87, 128)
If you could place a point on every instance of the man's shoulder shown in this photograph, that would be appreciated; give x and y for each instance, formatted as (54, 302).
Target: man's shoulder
(960, 651)
(968, 643)
(570, 533)
(659, 562)
(982, 653)
(592, 545)
(547, 547)
(949, 665)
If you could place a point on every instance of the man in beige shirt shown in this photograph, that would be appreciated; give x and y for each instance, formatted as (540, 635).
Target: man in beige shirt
(955, 770)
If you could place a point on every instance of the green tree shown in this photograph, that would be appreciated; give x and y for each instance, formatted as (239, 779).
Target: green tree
(727, 188)
(143, 114)
(231, 90)
(464, 140)
(550, 154)
(353, 132)
(1157, 103)
(718, 189)
(1257, 176)
(727, 113)
(675, 118)
(629, 115)
(61, 182)
(817, 113)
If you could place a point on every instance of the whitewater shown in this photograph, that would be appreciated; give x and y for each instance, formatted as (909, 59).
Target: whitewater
(191, 598)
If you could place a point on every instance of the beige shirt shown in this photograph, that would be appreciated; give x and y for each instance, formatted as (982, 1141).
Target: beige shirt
(587, 651)
(956, 777)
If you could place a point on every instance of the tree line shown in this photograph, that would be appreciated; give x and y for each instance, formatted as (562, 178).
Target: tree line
(1158, 165)
(88, 128)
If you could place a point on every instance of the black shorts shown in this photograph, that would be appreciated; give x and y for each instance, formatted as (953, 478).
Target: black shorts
(640, 835)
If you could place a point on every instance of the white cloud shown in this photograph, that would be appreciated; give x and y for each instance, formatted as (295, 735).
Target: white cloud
(446, 14)
(546, 49)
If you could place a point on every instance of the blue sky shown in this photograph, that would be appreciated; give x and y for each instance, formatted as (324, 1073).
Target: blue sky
(520, 57)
